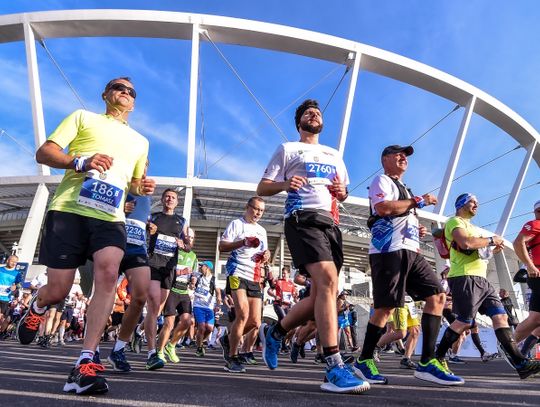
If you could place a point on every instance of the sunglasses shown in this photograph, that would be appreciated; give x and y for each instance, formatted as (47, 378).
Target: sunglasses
(123, 88)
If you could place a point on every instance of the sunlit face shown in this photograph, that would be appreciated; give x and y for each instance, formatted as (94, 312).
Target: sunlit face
(169, 200)
(537, 214)
(311, 121)
(471, 207)
(395, 163)
(121, 93)
(254, 211)
(12, 262)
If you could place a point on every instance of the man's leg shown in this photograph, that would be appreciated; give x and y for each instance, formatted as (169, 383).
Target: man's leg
(526, 326)
(242, 309)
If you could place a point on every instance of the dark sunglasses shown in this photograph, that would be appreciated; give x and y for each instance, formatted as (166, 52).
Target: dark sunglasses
(123, 88)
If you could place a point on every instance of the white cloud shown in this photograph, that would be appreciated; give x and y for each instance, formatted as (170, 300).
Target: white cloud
(14, 161)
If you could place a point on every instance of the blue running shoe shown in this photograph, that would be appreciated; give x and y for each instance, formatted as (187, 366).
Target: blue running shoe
(96, 359)
(119, 362)
(270, 346)
(339, 379)
(367, 370)
(433, 371)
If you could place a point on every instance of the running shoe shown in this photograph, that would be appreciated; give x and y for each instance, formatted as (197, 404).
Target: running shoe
(303, 351)
(347, 359)
(433, 371)
(233, 365)
(295, 352)
(170, 352)
(28, 326)
(200, 352)
(46, 342)
(154, 362)
(444, 364)
(486, 357)
(224, 342)
(339, 379)
(319, 359)
(407, 363)
(398, 349)
(270, 346)
(136, 342)
(84, 379)
(455, 359)
(367, 370)
(528, 368)
(96, 359)
(118, 361)
(248, 358)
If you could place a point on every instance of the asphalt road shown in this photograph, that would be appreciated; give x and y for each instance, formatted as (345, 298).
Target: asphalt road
(31, 375)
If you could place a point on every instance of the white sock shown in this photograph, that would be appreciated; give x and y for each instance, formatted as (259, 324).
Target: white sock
(61, 332)
(151, 353)
(333, 360)
(119, 345)
(85, 354)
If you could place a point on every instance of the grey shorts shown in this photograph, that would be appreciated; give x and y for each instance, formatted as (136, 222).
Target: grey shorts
(473, 294)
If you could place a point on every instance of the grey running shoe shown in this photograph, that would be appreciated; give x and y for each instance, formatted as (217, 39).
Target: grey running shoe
(233, 365)
(456, 360)
(154, 362)
(295, 352)
(407, 363)
(528, 368)
(248, 358)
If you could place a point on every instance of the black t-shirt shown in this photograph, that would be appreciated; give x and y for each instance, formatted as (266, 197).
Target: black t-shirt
(162, 248)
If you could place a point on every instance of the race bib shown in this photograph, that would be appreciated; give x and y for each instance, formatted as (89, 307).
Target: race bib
(287, 297)
(101, 191)
(136, 232)
(203, 294)
(320, 173)
(165, 245)
(412, 309)
(411, 233)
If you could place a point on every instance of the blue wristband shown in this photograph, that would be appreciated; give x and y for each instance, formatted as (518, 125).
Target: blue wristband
(79, 163)
(420, 203)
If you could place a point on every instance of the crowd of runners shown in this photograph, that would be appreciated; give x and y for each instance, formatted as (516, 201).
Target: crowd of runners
(152, 292)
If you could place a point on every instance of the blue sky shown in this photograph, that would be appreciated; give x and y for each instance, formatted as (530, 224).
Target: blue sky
(491, 44)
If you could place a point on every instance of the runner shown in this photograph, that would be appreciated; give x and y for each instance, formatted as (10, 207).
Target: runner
(167, 234)
(179, 301)
(105, 160)
(527, 247)
(314, 177)
(135, 267)
(471, 291)
(207, 301)
(397, 268)
(246, 240)
(10, 283)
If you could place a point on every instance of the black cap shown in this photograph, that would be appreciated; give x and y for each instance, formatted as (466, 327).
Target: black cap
(408, 150)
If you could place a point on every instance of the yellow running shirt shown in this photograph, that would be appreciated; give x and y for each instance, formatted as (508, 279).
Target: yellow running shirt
(88, 194)
(462, 264)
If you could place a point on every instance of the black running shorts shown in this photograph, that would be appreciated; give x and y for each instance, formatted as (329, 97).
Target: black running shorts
(473, 294)
(133, 261)
(310, 243)
(253, 289)
(401, 272)
(68, 240)
(177, 303)
(534, 285)
(164, 275)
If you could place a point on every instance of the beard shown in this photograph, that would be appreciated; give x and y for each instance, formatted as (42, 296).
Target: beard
(311, 129)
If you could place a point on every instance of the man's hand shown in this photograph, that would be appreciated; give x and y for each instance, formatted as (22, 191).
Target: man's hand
(147, 186)
(533, 272)
(338, 189)
(152, 228)
(180, 243)
(422, 231)
(429, 199)
(252, 241)
(100, 162)
(129, 207)
(295, 183)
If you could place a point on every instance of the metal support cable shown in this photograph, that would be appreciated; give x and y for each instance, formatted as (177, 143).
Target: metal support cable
(235, 146)
(64, 76)
(347, 69)
(246, 86)
(513, 217)
(480, 166)
(455, 108)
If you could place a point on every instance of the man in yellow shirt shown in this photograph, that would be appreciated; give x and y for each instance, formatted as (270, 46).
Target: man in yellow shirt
(105, 160)
(471, 291)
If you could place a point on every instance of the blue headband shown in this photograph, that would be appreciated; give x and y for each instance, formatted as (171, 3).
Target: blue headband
(463, 200)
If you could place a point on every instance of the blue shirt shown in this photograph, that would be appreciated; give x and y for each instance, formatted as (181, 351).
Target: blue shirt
(7, 279)
(136, 225)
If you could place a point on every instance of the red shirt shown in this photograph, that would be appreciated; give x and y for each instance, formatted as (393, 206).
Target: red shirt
(532, 228)
(285, 290)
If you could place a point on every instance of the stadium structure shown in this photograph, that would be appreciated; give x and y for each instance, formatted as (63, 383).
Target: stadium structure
(210, 204)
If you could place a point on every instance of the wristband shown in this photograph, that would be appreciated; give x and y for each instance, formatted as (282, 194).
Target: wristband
(79, 163)
(420, 203)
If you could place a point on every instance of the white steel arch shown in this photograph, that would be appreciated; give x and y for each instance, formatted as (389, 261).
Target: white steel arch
(29, 27)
